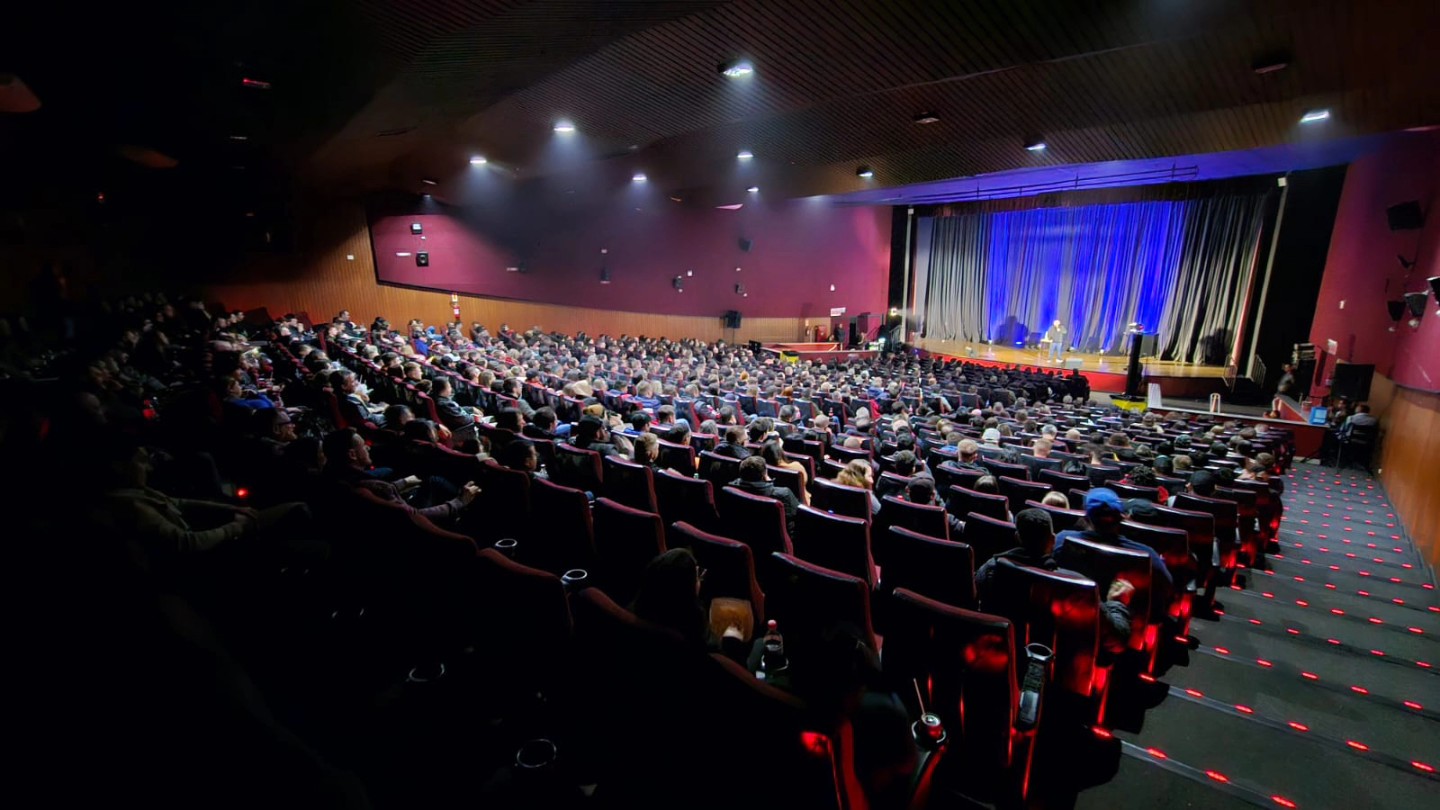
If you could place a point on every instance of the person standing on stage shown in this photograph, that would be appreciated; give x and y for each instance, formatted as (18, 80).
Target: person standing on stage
(1056, 335)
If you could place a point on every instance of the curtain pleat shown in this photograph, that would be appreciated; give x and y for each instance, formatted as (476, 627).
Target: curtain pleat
(1180, 268)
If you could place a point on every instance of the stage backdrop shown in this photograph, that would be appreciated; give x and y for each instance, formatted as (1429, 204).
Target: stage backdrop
(1183, 269)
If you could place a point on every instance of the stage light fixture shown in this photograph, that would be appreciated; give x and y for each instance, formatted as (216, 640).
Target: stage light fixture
(1434, 282)
(745, 154)
(478, 160)
(604, 275)
(638, 177)
(1415, 302)
(1034, 144)
(865, 172)
(564, 127)
(926, 118)
(239, 137)
(753, 189)
(736, 68)
(427, 181)
(1313, 116)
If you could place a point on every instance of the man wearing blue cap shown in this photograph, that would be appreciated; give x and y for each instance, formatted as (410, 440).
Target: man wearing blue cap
(1105, 513)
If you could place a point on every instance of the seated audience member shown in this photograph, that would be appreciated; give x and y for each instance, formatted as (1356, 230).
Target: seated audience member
(922, 491)
(734, 444)
(452, 414)
(988, 484)
(347, 459)
(967, 456)
(591, 434)
(858, 473)
(520, 454)
(234, 395)
(680, 434)
(774, 454)
(1362, 418)
(1105, 514)
(647, 449)
(544, 425)
(1202, 483)
(645, 395)
(819, 430)
(666, 420)
(512, 420)
(1143, 476)
(1056, 499)
(755, 479)
(639, 423)
(355, 405)
(990, 438)
(1036, 549)
(669, 596)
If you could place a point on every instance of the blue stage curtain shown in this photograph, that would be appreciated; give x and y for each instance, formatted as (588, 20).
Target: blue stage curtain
(1180, 268)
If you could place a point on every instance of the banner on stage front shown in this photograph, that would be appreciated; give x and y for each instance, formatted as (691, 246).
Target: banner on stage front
(1152, 397)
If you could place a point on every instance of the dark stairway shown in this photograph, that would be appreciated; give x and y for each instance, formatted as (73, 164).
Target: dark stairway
(1318, 687)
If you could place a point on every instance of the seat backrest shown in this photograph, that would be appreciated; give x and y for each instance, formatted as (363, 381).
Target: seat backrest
(936, 568)
(836, 542)
(729, 566)
(629, 483)
(920, 517)
(1173, 546)
(841, 499)
(563, 535)
(1059, 610)
(1018, 491)
(1000, 469)
(505, 500)
(988, 536)
(1062, 482)
(523, 611)
(717, 469)
(681, 497)
(576, 467)
(678, 457)
(1127, 491)
(845, 455)
(806, 599)
(626, 540)
(1226, 513)
(1060, 518)
(964, 501)
(1104, 563)
(948, 475)
(789, 479)
(964, 663)
(755, 520)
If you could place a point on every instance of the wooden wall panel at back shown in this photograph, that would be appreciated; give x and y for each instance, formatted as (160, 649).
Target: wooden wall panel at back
(326, 281)
(1408, 454)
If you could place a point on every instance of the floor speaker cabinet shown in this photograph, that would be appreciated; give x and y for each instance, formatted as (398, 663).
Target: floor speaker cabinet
(1352, 381)
(1073, 363)
(732, 319)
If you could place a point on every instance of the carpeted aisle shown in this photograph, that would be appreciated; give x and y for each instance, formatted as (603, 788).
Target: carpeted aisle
(1318, 687)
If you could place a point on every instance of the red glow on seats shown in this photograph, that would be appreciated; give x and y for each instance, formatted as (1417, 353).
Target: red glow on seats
(1360, 690)
(242, 492)
(1282, 801)
(1298, 726)
(1158, 754)
(816, 743)
(1103, 734)
(1244, 709)
(1195, 693)
(1410, 704)
(1218, 777)
(1358, 746)
(1262, 662)
(1310, 676)
(1422, 766)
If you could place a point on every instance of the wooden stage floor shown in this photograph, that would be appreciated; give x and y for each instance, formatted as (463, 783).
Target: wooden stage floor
(1102, 369)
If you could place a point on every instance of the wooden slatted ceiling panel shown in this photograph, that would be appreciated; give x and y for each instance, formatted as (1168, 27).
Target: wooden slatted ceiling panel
(326, 282)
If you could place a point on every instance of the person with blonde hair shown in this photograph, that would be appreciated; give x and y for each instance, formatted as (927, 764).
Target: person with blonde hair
(859, 474)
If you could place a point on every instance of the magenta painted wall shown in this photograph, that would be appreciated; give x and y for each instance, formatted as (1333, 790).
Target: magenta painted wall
(1361, 269)
(798, 249)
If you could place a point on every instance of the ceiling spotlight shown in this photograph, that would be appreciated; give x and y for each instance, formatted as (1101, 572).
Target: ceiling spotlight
(478, 161)
(736, 68)
(1034, 144)
(753, 189)
(239, 137)
(926, 118)
(427, 181)
(564, 126)
(1314, 115)
(865, 172)
(639, 177)
(255, 84)
(1270, 64)
(745, 154)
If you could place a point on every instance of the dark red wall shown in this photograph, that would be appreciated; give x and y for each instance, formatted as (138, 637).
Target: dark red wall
(797, 250)
(1362, 271)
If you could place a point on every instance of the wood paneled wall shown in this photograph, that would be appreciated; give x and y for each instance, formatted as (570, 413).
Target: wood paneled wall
(340, 274)
(1408, 455)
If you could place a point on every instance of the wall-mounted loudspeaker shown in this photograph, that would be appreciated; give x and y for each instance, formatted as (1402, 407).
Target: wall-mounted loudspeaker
(746, 244)
(732, 319)
(422, 259)
(1415, 302)
(678, 283)
(1434, 282)
(1397, 310)
(1406, 216)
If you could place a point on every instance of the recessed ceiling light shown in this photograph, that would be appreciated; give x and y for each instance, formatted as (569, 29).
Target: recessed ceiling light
(427, 181)
(745, 154)
(478, 161)
(926, 118)
(865, 172)
(564, 126)
(1314, 115)
(1035, 144)
(639, 177)
(239, 137)
(753, 189)
(737, 68)
(255, 84)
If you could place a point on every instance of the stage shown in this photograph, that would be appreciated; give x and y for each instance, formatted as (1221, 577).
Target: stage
(1106, 372)
(819, 352)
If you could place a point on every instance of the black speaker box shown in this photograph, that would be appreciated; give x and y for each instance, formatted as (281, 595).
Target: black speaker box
(746, 244)
(422, 259)
(1405, 217)
(732, 319)
(1352, 380)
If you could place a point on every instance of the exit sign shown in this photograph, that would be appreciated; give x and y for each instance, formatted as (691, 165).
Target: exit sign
(836, 312)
